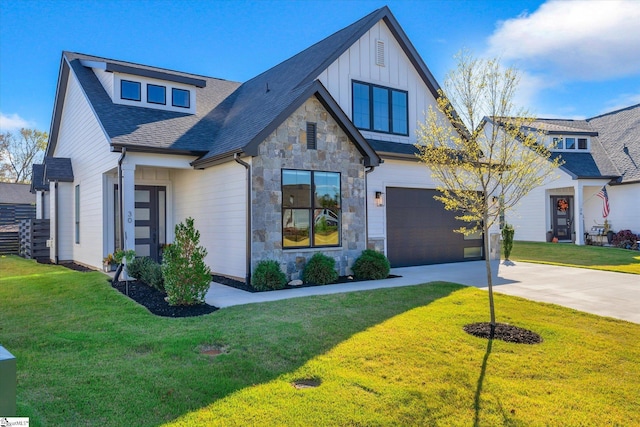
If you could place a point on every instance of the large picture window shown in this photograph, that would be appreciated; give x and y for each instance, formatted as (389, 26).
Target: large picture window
(380, 109)
(311, 211)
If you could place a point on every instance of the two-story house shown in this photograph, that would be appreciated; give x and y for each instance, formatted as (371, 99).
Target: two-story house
(314, 155)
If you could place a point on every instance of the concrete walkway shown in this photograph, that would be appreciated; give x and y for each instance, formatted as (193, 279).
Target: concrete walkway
(598, 292)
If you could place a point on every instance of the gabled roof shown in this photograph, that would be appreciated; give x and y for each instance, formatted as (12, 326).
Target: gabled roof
(37, 179)
(58, 169)
(230, 118)
(138, 128)
(619, 137)
(15, 194)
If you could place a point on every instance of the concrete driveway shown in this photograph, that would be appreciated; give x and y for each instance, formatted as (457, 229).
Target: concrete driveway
(599, 292)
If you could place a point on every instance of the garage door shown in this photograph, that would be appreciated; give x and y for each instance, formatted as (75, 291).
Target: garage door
(420, 231)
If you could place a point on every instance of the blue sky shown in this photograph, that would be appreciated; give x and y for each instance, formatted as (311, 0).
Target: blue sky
(577, 59)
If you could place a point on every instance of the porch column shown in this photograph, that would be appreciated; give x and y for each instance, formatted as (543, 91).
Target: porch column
(579, 217)
(129, 204)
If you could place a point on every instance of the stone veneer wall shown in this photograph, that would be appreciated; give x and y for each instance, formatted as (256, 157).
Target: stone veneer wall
(286, 148)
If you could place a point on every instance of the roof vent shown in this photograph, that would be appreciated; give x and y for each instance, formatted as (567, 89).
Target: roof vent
(380, 53)
(311, 136)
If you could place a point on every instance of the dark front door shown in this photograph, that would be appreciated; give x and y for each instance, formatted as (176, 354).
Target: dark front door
(562, 216)
(150, 220)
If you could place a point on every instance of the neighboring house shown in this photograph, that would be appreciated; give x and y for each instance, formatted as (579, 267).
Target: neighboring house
(600, 152)
(314, 155)
(16, 204)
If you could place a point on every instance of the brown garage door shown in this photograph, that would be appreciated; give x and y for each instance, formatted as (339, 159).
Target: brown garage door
(420, 231)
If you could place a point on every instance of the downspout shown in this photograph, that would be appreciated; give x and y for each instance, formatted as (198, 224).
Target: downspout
(55, 242)
(116, 277)
(367, 171)
(41, 204)
(248, 221)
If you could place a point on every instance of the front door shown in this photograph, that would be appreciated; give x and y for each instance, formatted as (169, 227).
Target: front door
(562, 217)
(150, 220)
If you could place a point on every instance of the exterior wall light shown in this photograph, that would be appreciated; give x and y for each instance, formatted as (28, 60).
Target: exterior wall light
(379, 199)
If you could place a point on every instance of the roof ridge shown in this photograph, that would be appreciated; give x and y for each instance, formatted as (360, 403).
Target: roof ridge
(145, 66)
(614, 112)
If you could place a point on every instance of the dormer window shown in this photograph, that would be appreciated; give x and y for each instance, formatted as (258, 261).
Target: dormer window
(569, 143)
(130, 90)
(156, 94)
(180, 98)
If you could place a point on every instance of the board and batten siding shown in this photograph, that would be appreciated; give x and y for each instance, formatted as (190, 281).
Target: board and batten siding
(359, 63)
(82, 139)
(624, 202)
(216, 199)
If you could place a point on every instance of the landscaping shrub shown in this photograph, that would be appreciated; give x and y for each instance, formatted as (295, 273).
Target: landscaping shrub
(507, 240)
(371, 265)
(268, 276)
(320, 270)
(625, 239)
(186, 276)
(134, 268)
(148, 271)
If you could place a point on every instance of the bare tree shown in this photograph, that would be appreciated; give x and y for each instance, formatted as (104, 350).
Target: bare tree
(18, 152)
(480, 149)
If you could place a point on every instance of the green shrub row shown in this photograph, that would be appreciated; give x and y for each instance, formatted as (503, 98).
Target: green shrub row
(371, 265)
(268, 276)
(147, 270)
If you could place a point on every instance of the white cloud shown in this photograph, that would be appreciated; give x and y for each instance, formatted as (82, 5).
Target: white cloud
(12, 122)
(623, 101)
(576, 40)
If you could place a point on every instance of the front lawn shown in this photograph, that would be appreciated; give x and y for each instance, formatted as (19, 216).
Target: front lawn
(87, 355)
(570, 255)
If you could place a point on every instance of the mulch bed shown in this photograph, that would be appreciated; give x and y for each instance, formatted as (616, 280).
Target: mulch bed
(70, 265)
(248, 288)
(504, 332)
(154, 301)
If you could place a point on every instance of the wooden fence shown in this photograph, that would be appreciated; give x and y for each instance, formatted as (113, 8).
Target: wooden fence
(33, 237)
(9, 243)
(14, 213)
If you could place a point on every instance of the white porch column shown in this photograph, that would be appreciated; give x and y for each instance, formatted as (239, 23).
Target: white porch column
(579, 212)
(129, 204)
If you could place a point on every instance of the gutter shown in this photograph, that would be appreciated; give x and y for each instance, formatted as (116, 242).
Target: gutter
(55, 242)
(248, 220)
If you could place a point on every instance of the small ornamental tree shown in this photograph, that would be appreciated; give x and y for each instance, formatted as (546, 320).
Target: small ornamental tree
(186, 276)
(507, 240)
(481, 149)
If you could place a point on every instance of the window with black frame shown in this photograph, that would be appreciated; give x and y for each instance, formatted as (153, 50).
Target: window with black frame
(380, 109)
(311, 211)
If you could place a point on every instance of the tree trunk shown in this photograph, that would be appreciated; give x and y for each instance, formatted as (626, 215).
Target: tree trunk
(487, 260)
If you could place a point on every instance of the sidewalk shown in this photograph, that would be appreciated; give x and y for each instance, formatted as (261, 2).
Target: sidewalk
(598, 292)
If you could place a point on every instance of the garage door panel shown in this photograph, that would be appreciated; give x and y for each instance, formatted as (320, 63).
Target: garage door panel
(420, 230)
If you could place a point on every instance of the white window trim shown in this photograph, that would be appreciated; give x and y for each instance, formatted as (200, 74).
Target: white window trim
(569, 150)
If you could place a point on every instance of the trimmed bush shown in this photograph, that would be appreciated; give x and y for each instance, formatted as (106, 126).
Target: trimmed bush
(268, 276)
(507, 240)
(320, 270)
(186, 276)
(148, 271)
(371, 265)
(625, 239)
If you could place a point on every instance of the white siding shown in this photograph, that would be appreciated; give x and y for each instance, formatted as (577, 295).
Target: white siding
(82, 139)
(106, 79)
(624, 203)
(63, 239)
(216, 199)
(359, 63)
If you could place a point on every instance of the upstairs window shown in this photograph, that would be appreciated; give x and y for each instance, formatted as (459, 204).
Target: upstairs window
(156, 94)
(130, 90)
(180, 98)
(569, 143)
(380, 109)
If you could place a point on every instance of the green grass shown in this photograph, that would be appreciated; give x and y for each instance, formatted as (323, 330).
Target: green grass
(89, 356)
(593, 257)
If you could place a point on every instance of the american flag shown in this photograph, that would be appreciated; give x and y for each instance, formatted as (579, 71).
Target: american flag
(605, 201)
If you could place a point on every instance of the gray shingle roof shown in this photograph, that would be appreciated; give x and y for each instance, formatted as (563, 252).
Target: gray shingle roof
(16, 194)
(150, 128)
(230, 117)
(37, 178)
(594, 164)
(619, 137)
(58, 169)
